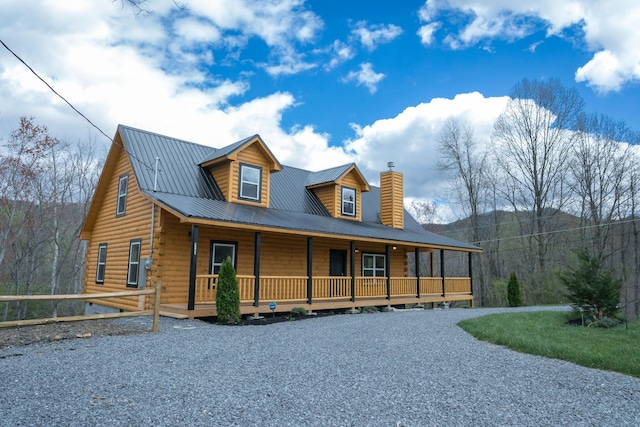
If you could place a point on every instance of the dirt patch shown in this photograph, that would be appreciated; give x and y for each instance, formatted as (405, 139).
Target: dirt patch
(26, 335)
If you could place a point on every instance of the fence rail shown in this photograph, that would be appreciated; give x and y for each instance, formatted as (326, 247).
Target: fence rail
(155, 312)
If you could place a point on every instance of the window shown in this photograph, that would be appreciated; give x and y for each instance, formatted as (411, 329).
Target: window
(348, 201)
(219, 252)
(121, 207)
(102, 263)
(373, 265)
(134, 263)
(250, 177)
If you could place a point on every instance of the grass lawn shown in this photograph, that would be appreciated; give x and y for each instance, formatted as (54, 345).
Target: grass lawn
(545, 333)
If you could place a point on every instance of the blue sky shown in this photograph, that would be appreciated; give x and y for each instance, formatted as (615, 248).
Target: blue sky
(323, 82)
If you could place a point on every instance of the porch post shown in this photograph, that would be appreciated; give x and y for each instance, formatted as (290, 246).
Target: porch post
(309, 270)
(191, 302)
(353, 271)
(417, 252)
(387, 268)
(432, 261)
(256, 269)
(442, 269)
(470, 275)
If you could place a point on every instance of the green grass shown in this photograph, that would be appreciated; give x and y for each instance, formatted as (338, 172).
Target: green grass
(545, 333)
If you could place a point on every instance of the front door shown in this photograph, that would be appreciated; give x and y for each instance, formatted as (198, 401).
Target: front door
(338, 267)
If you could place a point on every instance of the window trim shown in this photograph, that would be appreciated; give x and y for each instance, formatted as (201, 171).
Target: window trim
(226, 243)
(343, 190)
(132, 243)
(99, 277)
(241, 183)
(374, 268)
(122, 195)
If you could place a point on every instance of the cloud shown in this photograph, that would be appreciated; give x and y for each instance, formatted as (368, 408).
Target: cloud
(372, 35)
(612, 33)
(410, 140)
(339, 53)
(365, 76)
(427, 33)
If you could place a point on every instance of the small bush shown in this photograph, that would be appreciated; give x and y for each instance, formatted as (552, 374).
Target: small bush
(299, 311)
(514, 294)
(228, 294)
(369, 309)
(605, 322)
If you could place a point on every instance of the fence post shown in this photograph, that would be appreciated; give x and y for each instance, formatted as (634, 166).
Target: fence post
(156, 307)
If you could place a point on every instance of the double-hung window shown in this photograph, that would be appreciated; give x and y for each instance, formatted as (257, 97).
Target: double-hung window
(219, 252)
(121, 206)
(250, 177)
(102, 263)
(133, 271)
(373, 265)
(348, 201)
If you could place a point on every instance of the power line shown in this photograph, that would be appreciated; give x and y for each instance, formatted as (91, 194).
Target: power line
(72, 107)
(585, 227)
(54, 91)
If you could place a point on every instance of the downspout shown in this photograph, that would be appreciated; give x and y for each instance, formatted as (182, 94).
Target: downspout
(153, 214)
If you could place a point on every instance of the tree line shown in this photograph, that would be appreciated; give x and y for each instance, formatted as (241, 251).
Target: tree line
(551, 182)
(46, 186)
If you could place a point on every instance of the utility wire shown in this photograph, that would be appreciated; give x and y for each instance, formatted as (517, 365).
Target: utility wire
(72, 107)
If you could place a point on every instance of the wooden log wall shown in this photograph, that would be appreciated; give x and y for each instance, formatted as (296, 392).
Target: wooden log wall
(117, 234)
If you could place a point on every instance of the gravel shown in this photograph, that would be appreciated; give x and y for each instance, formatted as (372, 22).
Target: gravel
(407, 368)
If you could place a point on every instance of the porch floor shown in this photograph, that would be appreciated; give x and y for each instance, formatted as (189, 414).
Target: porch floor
(180, 311)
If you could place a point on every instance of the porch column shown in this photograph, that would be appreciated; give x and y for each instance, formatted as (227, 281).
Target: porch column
(191, 302)
(309, 270)
(442, 269)
(256, 269)
(431, 260)
(417, 252)
(470, 275)
(387, 268)
(353, 271)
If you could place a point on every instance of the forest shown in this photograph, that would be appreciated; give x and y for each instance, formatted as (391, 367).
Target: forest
(551, 181)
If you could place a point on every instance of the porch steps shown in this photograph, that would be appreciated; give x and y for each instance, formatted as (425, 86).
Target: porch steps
(173, 315)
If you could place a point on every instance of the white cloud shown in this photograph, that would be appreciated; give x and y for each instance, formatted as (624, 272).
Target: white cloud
(339, 52)
(410, 140)
(611, 32)
(148, 72)
(365, 76)
(427, 32)
(372, 35)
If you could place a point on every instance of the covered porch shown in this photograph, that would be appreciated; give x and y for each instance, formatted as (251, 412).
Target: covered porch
(353, 287)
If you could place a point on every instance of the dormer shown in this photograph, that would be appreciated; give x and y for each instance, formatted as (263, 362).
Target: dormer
(340, 190)
(243, 171)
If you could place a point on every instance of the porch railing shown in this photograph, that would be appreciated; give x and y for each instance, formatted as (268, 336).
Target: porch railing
(294, 288)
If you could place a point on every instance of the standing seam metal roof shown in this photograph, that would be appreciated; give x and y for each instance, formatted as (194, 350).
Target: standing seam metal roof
(191, 190)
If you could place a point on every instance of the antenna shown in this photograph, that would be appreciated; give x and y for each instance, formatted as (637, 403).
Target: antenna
(391, 165)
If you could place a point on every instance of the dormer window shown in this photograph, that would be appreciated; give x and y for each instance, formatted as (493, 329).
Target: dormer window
(250, 178)
(348, 201)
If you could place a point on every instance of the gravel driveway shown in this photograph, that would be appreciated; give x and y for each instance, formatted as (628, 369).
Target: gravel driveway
(408, 368)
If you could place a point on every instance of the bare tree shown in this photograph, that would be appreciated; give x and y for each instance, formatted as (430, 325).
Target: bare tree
(599, 167)
(466, 162)
(532, 138)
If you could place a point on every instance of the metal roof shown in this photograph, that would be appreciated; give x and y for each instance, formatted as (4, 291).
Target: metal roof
(216, 153)
(190, 190)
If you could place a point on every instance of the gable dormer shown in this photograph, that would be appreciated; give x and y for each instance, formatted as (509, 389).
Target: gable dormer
(340, 190)
(243, 171)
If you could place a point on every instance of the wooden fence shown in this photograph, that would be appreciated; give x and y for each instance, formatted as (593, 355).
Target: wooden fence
(155, 312)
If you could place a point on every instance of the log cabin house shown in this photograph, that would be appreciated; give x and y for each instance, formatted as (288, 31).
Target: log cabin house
(167, 212)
